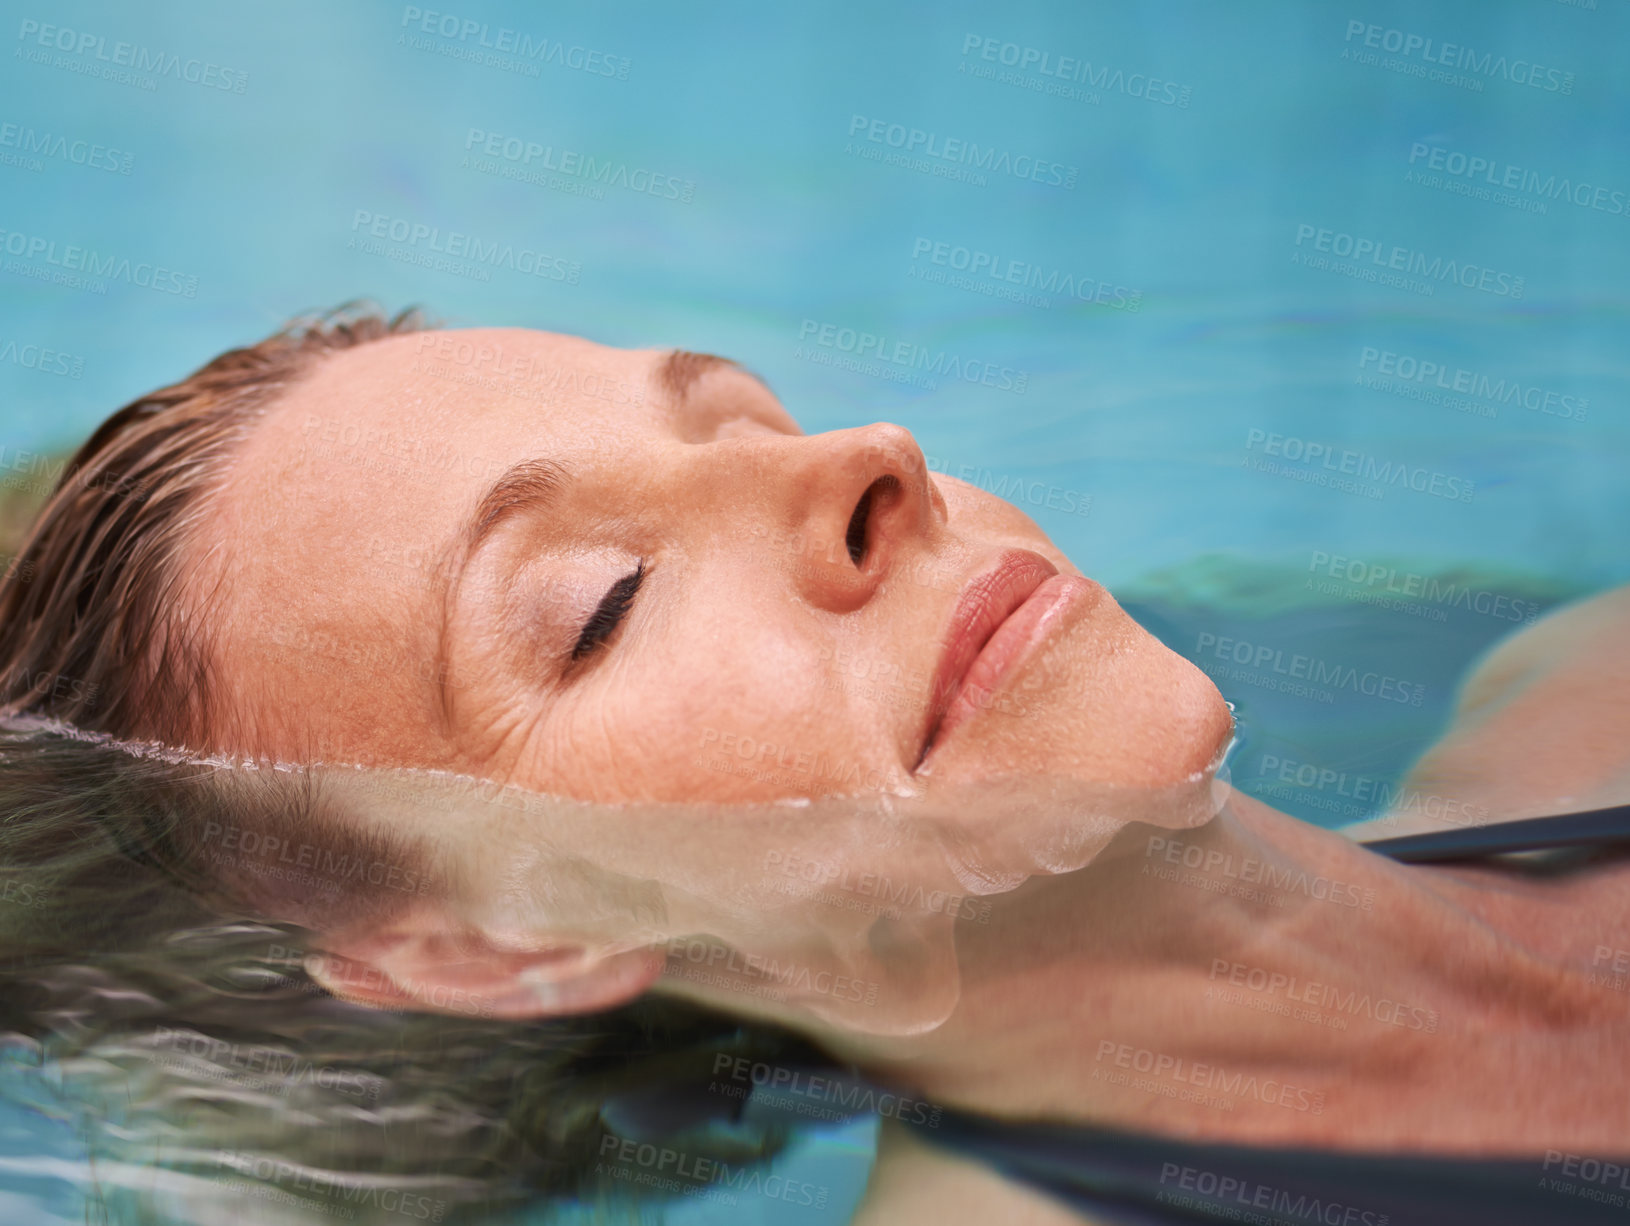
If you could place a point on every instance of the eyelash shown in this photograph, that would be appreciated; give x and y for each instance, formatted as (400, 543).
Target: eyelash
(613, 606)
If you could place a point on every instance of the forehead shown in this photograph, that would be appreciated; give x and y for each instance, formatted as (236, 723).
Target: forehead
(397, 438)
(425, 416)
(331, 523)
(448, 379)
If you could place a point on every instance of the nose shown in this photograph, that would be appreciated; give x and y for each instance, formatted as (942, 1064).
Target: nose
(858, 503)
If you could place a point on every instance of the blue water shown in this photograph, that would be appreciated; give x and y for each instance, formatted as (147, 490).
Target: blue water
(1195, 207)
(1201, 413)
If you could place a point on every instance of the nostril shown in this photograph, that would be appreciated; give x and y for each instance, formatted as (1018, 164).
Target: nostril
(855, 537)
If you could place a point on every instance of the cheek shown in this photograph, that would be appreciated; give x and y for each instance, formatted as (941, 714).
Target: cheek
(982, 515)
(975, 509)
(719, 716)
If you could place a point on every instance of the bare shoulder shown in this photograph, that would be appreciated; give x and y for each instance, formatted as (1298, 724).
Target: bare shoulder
(913, 1182)
(1541, 725)
(1588, 638)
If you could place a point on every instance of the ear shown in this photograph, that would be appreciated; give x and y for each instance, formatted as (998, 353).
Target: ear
(422, 961)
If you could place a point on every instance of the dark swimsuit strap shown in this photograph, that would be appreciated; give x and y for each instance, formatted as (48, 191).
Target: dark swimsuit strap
(1595, 828)
(1134, 1179)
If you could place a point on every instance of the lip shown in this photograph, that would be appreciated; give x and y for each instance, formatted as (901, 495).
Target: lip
(997, 617)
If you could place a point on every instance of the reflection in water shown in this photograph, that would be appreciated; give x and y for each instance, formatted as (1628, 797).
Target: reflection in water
(842, 906)
(188, 1044)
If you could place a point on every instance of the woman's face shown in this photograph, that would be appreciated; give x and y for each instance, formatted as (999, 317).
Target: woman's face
(627, 575)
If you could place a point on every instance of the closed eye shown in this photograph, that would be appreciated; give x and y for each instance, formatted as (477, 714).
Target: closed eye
(609, 613)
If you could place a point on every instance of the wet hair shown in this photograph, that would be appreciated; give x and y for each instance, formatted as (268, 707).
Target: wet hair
(99, 636)
(104, 628)
(130, 953)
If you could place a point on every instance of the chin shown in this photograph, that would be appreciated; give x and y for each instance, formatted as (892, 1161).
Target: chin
(1202, 723)
(1107, 703)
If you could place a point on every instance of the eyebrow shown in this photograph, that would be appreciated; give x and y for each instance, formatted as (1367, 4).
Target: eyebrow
(536, 484)
(681, 368)
(527, 485)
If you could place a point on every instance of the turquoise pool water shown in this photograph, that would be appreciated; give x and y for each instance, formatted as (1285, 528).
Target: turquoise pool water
(1302, 327)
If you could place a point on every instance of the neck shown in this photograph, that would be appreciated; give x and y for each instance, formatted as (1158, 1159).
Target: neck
(1259, 979)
